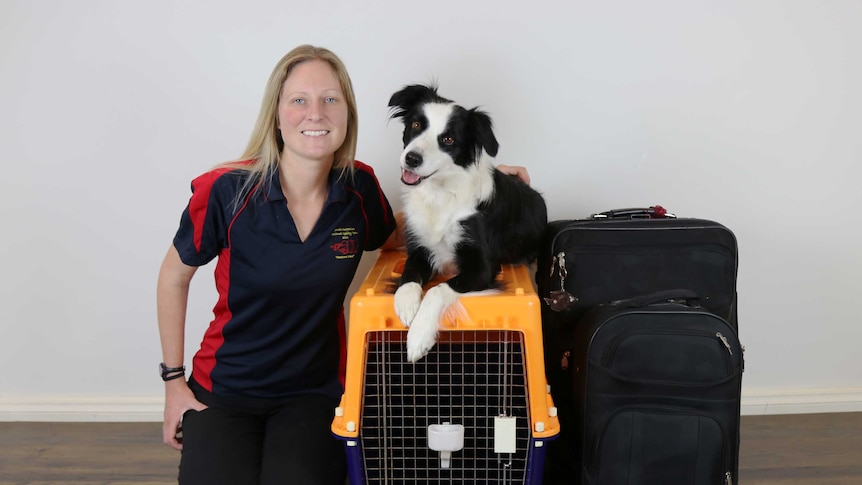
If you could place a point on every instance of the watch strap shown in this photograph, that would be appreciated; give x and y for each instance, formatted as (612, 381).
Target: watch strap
(171, 373)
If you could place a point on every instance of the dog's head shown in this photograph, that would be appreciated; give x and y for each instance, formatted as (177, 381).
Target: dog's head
(439, 136)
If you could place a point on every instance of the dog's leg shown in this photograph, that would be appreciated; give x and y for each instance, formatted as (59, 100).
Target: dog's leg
(408, 297)
(417, 271)
(423, 331)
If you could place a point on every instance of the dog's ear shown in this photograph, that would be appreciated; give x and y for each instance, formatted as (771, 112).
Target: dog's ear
(484, 130)
(406, 99)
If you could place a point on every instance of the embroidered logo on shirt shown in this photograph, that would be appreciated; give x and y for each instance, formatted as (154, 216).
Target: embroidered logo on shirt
(347, 247)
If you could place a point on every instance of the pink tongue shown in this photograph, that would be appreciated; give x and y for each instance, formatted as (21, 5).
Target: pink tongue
(409, 178)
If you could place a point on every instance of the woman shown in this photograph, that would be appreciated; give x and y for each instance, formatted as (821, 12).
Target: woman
(288, 224)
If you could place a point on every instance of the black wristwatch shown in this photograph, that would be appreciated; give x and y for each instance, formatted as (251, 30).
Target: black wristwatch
(171, 373)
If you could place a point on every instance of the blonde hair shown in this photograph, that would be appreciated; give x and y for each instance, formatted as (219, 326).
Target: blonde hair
(263, 152)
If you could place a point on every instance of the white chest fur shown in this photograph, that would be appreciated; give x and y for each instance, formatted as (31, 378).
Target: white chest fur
(435, 209)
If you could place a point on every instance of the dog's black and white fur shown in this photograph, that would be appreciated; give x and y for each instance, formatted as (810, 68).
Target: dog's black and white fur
(460, 211)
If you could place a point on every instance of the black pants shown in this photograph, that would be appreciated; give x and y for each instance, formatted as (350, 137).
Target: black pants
(260, 442)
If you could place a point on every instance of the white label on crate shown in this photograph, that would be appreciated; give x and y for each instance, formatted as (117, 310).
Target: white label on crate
(504, 434)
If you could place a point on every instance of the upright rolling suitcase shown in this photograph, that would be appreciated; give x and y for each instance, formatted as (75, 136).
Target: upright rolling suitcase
(658, 382)
(619, 255)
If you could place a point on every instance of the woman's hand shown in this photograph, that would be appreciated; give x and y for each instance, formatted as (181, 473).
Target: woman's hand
(178, 399)
(517, 171)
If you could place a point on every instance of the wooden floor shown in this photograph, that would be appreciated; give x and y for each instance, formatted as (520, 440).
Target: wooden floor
(814, 449)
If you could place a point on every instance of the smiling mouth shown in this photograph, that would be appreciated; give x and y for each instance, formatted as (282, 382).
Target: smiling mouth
(315, 133)
(412, 178)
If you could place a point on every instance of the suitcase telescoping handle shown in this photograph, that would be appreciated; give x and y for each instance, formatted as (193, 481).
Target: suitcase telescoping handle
(679, 295)
(653, 212)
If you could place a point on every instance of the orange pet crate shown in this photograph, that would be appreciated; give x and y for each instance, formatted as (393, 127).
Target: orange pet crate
(476, 409)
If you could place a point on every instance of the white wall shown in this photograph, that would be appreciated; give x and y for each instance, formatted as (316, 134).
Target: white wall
(745, 112)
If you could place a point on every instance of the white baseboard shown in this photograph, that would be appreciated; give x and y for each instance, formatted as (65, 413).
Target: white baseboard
(83, 409)
(150, 408)
(801, 401)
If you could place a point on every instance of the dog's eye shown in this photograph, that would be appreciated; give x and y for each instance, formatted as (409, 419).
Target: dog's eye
(416, 126)
(448, 140)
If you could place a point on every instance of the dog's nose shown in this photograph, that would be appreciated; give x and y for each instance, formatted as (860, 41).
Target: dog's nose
(413, 159)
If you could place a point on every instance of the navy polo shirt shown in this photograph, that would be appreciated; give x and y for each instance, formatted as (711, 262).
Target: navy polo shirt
(278, 326)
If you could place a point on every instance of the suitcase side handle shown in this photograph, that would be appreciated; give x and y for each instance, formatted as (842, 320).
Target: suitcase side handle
(677, 295)
(652, 212)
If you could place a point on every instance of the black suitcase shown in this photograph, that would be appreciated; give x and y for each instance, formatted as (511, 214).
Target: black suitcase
(626, 253)
(618, 255)
(659, 381)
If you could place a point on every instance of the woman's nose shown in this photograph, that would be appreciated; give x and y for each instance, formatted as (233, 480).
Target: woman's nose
(315, 111)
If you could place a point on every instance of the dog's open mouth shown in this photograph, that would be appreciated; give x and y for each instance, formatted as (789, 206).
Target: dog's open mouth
(410, 178)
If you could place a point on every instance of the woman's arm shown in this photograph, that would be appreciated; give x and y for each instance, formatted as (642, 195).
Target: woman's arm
(172, 293)
(397, 238)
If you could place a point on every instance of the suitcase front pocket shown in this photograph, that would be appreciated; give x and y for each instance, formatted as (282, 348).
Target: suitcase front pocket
(678, 356)
(659, 445)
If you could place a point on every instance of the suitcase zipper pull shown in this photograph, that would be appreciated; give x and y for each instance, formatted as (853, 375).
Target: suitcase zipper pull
(561, 299)
(724, 341)
(728, 478)
(564, 362)
(553, 266)
(561, 259)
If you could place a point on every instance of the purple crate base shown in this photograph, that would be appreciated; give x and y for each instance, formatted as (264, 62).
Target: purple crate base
(535, 463)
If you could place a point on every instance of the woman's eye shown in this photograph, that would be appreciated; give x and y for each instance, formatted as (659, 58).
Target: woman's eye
(330, 100)
(298, 101)
(448, 140)
(416, 125)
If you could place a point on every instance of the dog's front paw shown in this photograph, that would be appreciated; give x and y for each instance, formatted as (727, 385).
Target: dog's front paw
(423, 331)
(408, 297)
(421, 337)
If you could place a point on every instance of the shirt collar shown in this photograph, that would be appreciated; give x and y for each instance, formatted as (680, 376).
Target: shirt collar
(337, 190)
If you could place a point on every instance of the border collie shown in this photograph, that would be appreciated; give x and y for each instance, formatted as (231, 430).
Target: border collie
(460, 212)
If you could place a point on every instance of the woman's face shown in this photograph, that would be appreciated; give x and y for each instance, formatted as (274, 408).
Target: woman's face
(312, 113)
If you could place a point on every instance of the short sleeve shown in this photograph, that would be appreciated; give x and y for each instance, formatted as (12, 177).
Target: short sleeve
(381, 221)
(203, 229)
